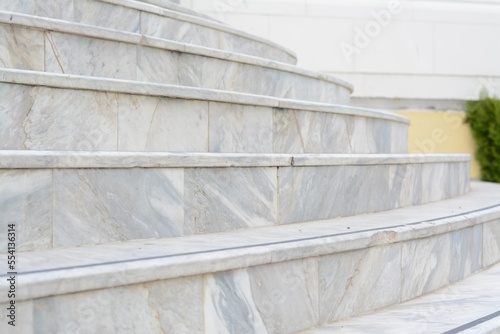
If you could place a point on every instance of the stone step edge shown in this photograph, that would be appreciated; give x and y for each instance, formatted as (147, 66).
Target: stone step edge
(26, 159)
(166, 4)
(70, 270)
(184, 14)
(90, 31)
(71, 81)
(443, 311)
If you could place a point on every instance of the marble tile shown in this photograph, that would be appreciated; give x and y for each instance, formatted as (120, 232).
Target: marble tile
(97, 206)
(162, 125)
(57, 119)
(23, 321)
(96, 57)
(214, 73)
(148, 60)
(127, 309)
(399, 138)
(26, 201)
(436, 181)
(57, 9)
(491, 242)
(466, 252)
(359, 281)
(113, 160)
(426, 265)
(178, 30)
(21, 48)
(219, 199)
(107, 15)
(360, 134)
(311, 193)
(240, 128)
(17, 102)
(258, 299)
(178, 304)
(298, 131)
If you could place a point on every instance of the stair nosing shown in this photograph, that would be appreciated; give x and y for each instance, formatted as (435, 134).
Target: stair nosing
(150, 8)
(32, 159)
(73, 81)
(91, 31)
(45, 282)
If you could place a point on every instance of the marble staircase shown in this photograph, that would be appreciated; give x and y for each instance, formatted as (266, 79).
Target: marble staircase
(169, 174)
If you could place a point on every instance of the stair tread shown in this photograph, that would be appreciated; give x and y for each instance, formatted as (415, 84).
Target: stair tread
(76, 269)
(73, 81)
(23, 159)
(142, 54)
(175, 17)
(469, 306)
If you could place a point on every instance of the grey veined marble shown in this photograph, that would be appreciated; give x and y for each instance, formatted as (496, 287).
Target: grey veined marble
(54, 44)
(152, 21)
(44, 118)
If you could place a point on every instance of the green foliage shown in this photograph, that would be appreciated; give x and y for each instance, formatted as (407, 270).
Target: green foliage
(484, 119)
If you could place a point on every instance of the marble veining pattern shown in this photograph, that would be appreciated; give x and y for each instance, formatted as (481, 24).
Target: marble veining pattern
(95, 206)
(238, 128)
(466, 252)
(257, 299)
(219, 199)
(21, 48)
(96, 57)
(310, 132)
(100, 13)
(491, 239)
(26, 201)
(37, 123)
(152, 124)
(426, 265)
(444, 310)
(359, 281)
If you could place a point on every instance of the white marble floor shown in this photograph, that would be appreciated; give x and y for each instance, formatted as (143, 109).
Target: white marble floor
(470, 306)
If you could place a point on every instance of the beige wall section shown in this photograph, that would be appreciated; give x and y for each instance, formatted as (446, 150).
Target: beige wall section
(440, 132)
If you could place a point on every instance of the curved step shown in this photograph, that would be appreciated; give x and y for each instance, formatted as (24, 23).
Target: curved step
(166, 4)
(43, 111)
(278, 280)
(150, 20)
(63, 47)
(470, 306)
(79, 198)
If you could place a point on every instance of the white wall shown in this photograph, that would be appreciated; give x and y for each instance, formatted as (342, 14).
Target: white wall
(427, 50)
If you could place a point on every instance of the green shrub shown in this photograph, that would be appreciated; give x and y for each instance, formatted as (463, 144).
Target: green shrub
(484, 119)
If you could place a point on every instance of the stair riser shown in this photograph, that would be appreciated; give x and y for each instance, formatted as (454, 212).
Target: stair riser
(43, 118)
(280, 297)
(71, 207)
(54, 52)
(124, 16)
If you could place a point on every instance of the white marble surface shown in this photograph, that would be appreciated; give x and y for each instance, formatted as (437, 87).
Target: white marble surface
(151, 20)
(96, 206)
(21, 48)
(258, 299)
(65, 119)
(452, 308)
(221, 199)
(491, 239)
(355, 282)
(97, 46)
(97, 267)
(174, 194)
(23, 202)
(154, 124)
(238, 128)
(130, 87)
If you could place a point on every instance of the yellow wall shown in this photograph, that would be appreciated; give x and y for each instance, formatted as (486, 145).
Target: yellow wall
(440, 132)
